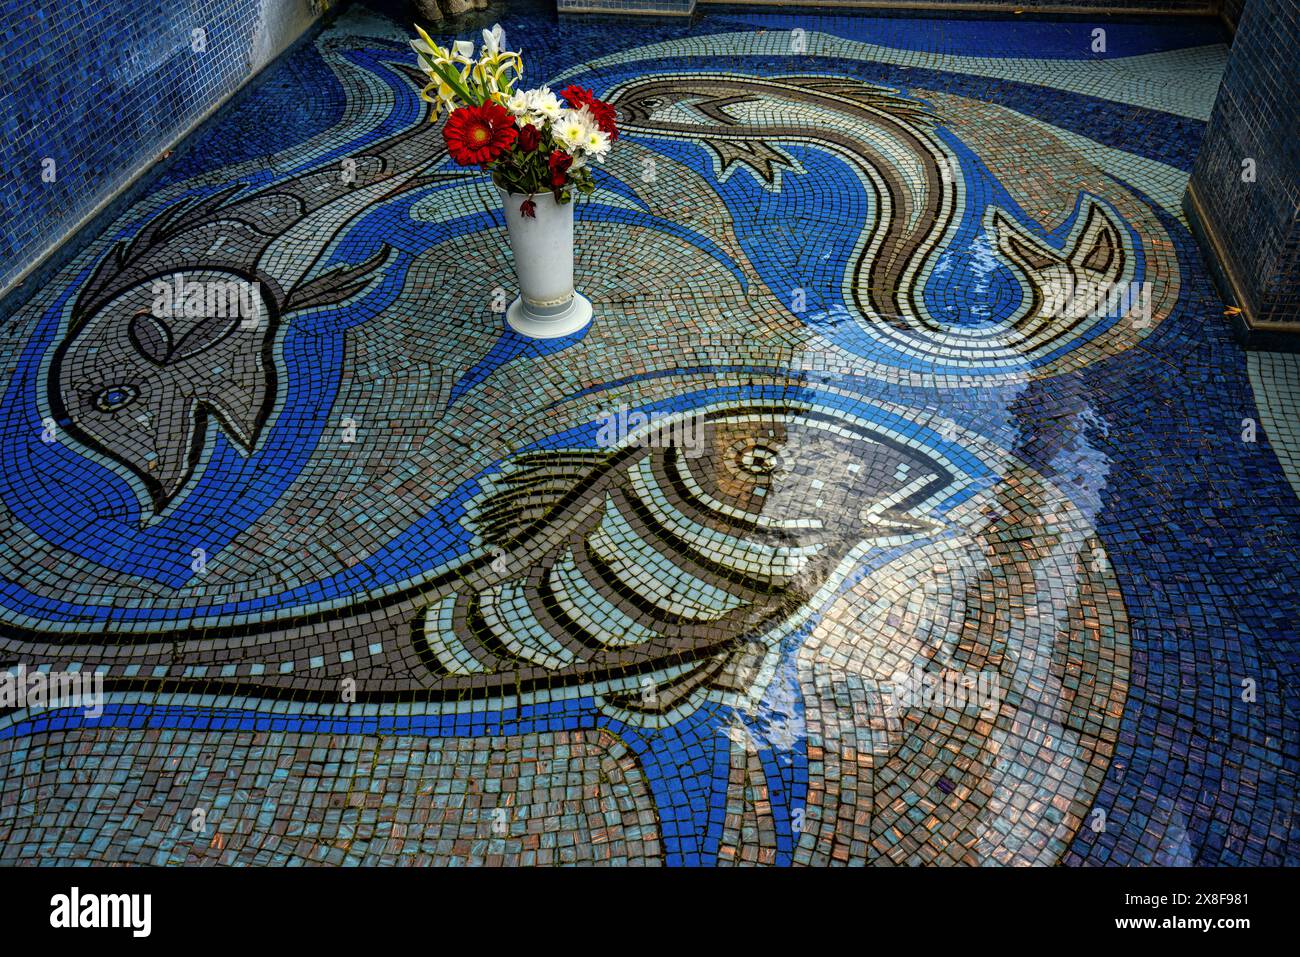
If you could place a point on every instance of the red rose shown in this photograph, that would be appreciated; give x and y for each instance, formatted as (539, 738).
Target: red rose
(559, 164)
(528, 207)
(529, 137)
(600, 111)
(477, 135)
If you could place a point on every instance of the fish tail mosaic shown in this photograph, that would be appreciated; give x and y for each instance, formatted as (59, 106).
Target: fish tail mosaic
(864, 523)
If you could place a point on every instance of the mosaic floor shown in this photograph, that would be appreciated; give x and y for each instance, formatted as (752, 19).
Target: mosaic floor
(378, 581)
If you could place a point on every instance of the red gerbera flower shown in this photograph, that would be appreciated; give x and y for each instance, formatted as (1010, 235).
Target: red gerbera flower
(605, 116)
(577, 96)
(477, 135)
(600, 111)
(559, 164)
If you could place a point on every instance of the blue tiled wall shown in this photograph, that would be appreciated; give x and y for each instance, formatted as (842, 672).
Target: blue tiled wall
(95, 90)
(1253, 225)
(1232, 10)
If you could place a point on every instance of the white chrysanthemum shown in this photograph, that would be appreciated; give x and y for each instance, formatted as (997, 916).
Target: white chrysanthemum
(596, 143)
(571, 131)
(545, 104)
(518, 105)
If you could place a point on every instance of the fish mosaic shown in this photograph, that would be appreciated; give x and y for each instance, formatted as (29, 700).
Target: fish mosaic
(855, 529)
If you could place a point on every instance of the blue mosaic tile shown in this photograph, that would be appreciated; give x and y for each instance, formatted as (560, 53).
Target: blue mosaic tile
(104, 91)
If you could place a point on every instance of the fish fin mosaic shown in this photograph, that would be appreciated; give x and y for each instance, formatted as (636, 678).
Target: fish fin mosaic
(810, 550)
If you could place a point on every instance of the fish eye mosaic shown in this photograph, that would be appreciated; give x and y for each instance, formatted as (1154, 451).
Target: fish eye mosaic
(863, 525)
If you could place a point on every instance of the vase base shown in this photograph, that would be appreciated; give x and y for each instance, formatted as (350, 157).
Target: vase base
(574, 319)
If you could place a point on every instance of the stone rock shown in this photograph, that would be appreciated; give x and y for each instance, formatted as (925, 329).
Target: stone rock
(428, 10)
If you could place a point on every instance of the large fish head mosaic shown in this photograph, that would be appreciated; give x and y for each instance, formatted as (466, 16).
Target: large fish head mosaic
(142, 372)
(178, 322)
(667, 570)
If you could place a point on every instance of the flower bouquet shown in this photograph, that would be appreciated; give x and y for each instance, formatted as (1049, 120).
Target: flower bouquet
(539, 148)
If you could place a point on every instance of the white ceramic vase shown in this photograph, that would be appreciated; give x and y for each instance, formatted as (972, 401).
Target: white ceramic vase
(547, 306)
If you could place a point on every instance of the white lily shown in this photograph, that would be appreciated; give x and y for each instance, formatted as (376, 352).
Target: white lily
(446, 84)
(429, 54)
(494, 40)
(464, 50)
